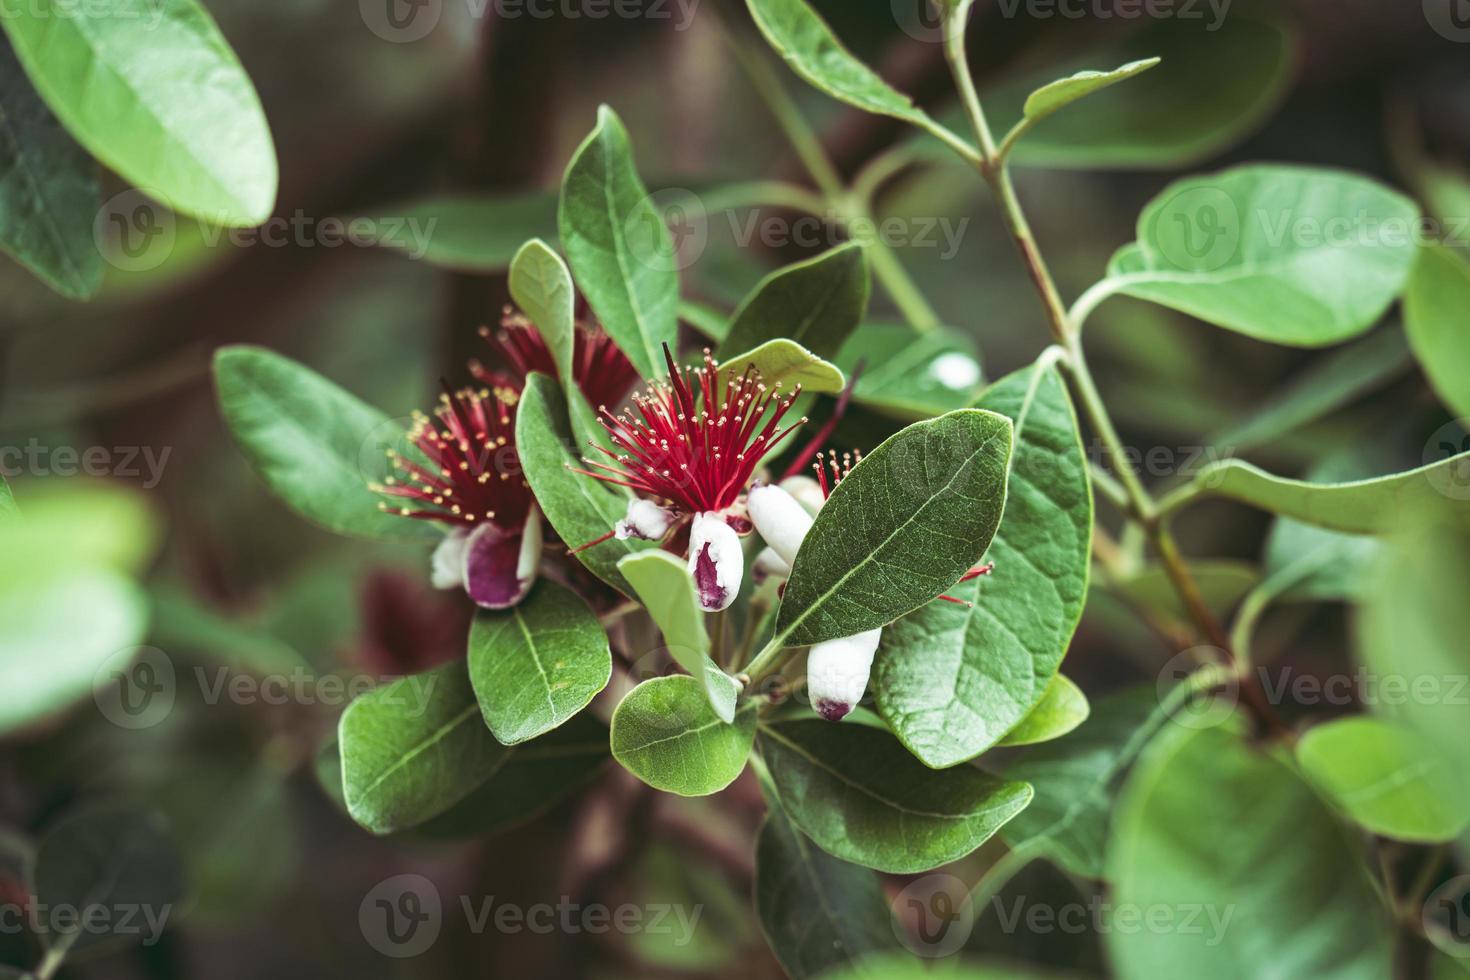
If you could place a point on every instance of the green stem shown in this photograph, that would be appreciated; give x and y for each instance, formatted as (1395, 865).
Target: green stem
(900, 286)
(772, 658)
(997, 876)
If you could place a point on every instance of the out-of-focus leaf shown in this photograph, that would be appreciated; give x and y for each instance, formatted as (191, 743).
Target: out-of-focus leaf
(665, 733)
(1222, 584)
(182, 622)
(49, 195)
(1434, 318)
(1061, 93)
(465, 233)
(1061, 709)
(152, 89)
(788, 364)
(862, 797)
(816, 304)
(911, 375)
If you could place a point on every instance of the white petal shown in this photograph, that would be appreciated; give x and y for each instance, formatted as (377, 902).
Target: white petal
(769, 564)
(646, 520)
(806, 490)
(446, 568)
(529, 560)
(837, 673)
(716, 561)
(781, 521)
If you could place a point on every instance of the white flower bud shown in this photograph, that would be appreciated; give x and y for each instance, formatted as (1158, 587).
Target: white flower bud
(645, 520)
(716, 561)
(447, 567)
(837, 672)
(781, 521)
(806, 490)
(769, 564)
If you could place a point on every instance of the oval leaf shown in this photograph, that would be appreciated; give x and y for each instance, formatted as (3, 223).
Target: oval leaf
(466, 233)
(541, 286)
(153, 90)
(910, 375)
(537, 664)
(1061, 709)
(665, 733)
(1434, 318)
(910, 519)
(1064, 91)
(816, 304)
(782, 362)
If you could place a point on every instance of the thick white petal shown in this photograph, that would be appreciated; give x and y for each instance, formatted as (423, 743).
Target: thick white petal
(781, 521)
(806, 490)
(446, 568)
(768, 564)
(837, 673)
(716, 561)
(645, 520)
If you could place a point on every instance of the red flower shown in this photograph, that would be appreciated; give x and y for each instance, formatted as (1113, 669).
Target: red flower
(599, 367)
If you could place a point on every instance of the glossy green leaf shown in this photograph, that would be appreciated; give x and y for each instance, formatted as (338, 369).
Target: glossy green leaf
(541, 286)
(818, 913)
(620, 251)
(1077, 778)
(1201, 824)
(786, 363)
(665, 733)
(49, 195)
(916, 514)
(315, 445)
(413, 748)
(1061, 709)
(1434, 318)
(666, 589)
(1061, 93)
(580, 508)
(537, 664)
(1285, 254)
(153, 90)
(465, 233)
(816, 304)
(112, 857)
(861, 797)
(1386, 778)
(951, 680)
(910, 375)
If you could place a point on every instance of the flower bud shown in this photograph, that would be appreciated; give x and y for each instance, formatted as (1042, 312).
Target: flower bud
(716, 561)
(807, 491)
(645, 520)
(769, 564)
(781, 521)
(837, 672)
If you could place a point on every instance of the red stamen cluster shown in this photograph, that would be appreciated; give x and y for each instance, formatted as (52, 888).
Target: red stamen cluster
(471, 472)
(697, 453)
(599, 367)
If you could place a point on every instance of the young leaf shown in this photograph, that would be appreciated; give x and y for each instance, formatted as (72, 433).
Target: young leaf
(536, 665)
(817, 912)
(951, 680)
(786, 363)
(1063, 92)
(474, 234)
(666, 588)
(578, 507)
(153, 91)
(1386, 777)
(1289, 255)
(816, 304)
(111, 857)
(912, 517)
(541, 286)
(1061, 709)
(862, 798)
(1200, 824)
(619, 248)
(49, 194)
(665, 733)
(310, 441)
(1434, 318)
(908, 375)
(800, 36)
(413, 748)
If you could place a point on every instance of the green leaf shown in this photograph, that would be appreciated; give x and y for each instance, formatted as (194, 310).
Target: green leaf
(180, 621)
(952, 680)
(816, 304)
(619, 248)
(413, 748)
(541, 286)
(1201, 824)
(818, 913)
(788, 364)
(112, 857)
(8, 508)
(465, 233)
(536, 665)
(1064, 91)
(1077, 778)
(905, 966)
(799, 35)
(1434, 311)
(1359, 507)
(1062, 708)
(1337, 380)
(665, 733)
(909, 375)
(910, 519)
(152, 89)
(1214, 87)
(49, 195)
(1386, 777)
(315, 445)
(579, 508)
(862, 798)
(1289, 255)
(666, 589)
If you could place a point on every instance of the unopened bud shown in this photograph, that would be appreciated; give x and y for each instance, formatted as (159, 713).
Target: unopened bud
(837, 672)
(781, 521)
